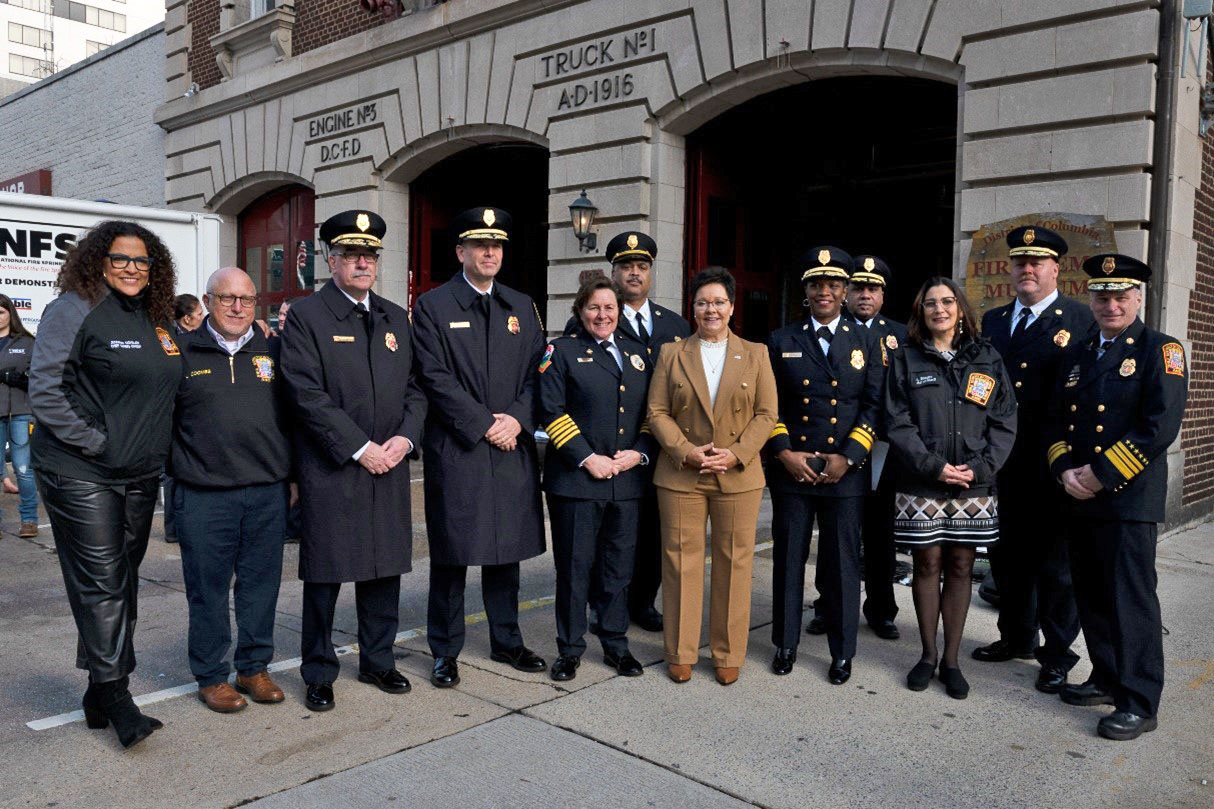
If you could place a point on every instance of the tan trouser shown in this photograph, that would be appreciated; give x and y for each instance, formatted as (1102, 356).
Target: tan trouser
(734, 518)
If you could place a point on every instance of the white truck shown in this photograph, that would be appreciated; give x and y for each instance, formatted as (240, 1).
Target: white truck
(36, 232)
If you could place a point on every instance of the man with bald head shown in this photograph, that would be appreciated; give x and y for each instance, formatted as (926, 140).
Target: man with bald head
(230, 460)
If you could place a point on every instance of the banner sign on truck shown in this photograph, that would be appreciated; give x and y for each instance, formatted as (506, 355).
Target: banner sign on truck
(31, 254)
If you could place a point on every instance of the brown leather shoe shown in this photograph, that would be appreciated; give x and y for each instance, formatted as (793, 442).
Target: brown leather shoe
(221, 697)
(727, 675)
(28, 529)
(679, 672)
(259, 687)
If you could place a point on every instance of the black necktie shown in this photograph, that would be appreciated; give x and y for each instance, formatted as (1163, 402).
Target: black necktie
(1105, 345)
(606, 344)
(483, 304)
(641, 330)
(1021, 323)
(825, 333)
(365, 316)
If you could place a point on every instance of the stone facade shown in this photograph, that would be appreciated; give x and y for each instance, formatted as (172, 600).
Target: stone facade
(91, 125)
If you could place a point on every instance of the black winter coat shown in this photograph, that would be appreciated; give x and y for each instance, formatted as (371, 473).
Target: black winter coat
(958, 412)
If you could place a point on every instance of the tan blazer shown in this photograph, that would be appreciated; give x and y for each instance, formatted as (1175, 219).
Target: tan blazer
(682, 419)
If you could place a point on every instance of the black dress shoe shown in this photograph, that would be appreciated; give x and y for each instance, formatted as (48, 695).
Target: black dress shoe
(624, 664)
(1121, 726)
(886, 630)
(389, 680)
(648, 619)
(817, 626)
(1001, 651)
(782, 662)
(565, 667)
(445, 672)
(522, 659)
(320, 697)
(1088, 693)
(955, 684)
(1050, 680)
(840, 671)
(919, 676)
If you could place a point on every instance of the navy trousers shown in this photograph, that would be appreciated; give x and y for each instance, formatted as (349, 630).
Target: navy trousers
(378, 604)
(445, 610)
(226, 533)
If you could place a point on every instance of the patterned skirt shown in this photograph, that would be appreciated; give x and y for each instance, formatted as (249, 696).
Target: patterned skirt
(962, 520)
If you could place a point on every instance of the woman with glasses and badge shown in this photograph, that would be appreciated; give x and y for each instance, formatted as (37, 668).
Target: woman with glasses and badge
(951, 419)
(103, 378)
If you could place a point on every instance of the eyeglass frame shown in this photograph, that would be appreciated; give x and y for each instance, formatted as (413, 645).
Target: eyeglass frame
(121, 261)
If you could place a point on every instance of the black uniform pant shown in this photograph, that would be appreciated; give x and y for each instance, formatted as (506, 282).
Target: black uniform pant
(1033, 576)
(647, 568)
(1114, 570)
(593, 546)
(879, 555)
(838, 569)
(101, 534)
(377, 602)
(445, 612)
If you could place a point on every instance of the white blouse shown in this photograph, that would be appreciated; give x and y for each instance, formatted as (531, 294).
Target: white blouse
(713, 356)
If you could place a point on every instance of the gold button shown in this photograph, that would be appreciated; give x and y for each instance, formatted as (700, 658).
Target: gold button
(621, 410)
(737, 410)
(686, 429)
(1099, 408)
(1071, 427)
(679, 384)
(1100, 428)
(1018, 383)
(804, 381)
(802, 438)
(621, 431)
(731, 432)
(745, 385)
(834, 402)
(833, 420)
(805, 400)
(1097, 450)
(834, 383)
(1024, 365)
(805, 418)
(622, 388)
(830, 439)
(1074, 408)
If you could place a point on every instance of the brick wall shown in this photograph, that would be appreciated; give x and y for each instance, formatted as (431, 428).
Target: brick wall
(1197, 434)
(203, 16)
(319, 22)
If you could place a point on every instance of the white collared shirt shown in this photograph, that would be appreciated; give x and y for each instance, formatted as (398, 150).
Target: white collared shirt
(477, 289)
(645, 313)
(1034, 311)
(834, 329)
(613, 350)
(230, 346)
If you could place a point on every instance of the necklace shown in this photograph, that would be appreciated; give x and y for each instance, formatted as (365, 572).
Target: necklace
(708, 349)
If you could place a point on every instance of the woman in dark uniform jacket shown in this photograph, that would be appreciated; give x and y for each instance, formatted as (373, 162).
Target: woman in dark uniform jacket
(16, 347)
(951, 417)
(103, 379)
(592, 403)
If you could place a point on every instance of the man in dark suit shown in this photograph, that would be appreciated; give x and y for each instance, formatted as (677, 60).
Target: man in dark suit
(479, 345)
(1116, 409)
(829, 373)
(347, 359)
(1029, 562)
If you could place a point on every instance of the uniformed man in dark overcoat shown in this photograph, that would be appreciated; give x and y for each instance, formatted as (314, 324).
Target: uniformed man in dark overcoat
(1117, 407)
(1029, 563)
(479, 345)
(650, 326)
(829, 373)
(348, 361)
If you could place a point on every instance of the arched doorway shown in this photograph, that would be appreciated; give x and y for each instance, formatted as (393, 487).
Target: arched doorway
(276, 247)
(864, 163)
(512, 176)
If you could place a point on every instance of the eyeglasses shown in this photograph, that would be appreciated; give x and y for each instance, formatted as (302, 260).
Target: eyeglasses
(943, 303)
(228, 300)
(719, 303)
(120, 261)
(352, 258)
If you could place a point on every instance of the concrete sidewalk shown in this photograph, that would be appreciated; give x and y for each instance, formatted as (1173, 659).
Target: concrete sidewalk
(506, 739)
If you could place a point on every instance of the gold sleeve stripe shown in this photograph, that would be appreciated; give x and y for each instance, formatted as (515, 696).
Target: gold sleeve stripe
(861, 436)
(564, 438)
(1056, 451)
(780, 429)
(1132, 461)
(1124, 460)
(557, 422)
(562, 430)
(645, 429)
(1119, 464)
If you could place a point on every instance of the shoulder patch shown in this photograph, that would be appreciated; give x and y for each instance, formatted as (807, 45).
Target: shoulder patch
(1173, 359)
(546, 362)
(979, 387)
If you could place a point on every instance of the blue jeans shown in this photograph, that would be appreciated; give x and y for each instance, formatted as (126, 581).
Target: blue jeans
(15, 431)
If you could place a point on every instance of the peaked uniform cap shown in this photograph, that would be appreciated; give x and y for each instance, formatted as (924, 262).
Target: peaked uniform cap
(871, 270)
(1113, 272)
(483, 223)
(825, 262)
(355, 228)
(631, 245)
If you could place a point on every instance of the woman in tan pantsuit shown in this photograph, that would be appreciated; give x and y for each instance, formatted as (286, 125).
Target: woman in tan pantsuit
(712, 405)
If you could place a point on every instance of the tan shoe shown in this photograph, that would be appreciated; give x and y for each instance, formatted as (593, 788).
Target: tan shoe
(221, 697)
(28, 529)
(727, 675)
(679, 672)
(259, 687)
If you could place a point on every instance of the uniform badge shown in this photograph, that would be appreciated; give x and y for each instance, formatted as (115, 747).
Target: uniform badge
(1128, 367)
(979, 387)
(546, 362)
(166, 342)
(857, 359)
(869, 264)
(512, 325)
(632, 241)
(1062, 338)
(489, 217)
(823, 256)
(891, 342)
(390, 341)
(263, 366)
(1073, 378)
(637, 362)
(1030, 236)
(1109, 265)
(362, 222)
(1173, 359)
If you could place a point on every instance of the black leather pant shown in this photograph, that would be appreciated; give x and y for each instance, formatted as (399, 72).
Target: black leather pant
(101, 533)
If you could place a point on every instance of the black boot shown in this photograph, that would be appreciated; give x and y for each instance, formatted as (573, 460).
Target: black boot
(113, 701)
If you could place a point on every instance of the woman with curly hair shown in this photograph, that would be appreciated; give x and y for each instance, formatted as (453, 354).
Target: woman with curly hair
(103, 378)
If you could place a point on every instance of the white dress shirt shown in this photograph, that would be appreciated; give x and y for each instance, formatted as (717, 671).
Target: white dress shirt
(230, 346)
(834, 328)
(645, 313)
(1034, 311)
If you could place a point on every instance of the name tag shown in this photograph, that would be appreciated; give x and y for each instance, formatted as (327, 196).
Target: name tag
(919, 380)
(200, 372)
(791, 355)
(585, 359)
(459, 324)
(343, 338)
(16, 351)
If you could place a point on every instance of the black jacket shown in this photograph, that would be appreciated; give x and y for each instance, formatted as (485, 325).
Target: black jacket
(103, 378)
(589, 405)
(959, 412)
(1120, 413)
(228, 427)
(15, 358)
(828, 404)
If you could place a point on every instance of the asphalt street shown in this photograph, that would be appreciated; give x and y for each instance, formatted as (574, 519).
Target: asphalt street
(507, 739)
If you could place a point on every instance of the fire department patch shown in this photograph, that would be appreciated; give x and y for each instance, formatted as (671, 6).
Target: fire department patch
(512, 325)
(979, 387)
(263, 366)
(1062, 338)
(546, 362)
(1128, 367)
(390, 341)
(857, 359)
(166, 342)
(1173, 359)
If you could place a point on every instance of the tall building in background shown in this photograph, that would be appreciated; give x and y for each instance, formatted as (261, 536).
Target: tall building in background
(41, 37)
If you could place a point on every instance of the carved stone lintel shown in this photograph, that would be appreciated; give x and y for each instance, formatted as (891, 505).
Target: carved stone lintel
(280, 39)
(223, 58)
(254, 44)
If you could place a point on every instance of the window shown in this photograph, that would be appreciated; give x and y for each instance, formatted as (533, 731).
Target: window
(28, 35)
(41, 6)
(26, 66)
(79, 12)
(91, 47)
